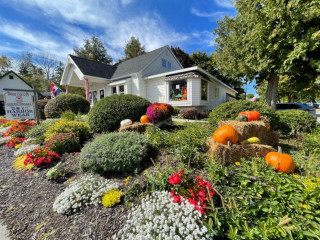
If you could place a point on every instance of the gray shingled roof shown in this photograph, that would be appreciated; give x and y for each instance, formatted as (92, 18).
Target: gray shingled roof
(133, 65)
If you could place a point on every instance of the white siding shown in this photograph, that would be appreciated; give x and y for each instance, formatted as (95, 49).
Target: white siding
(196, 90)
(156, 66)
(213, 100)
(156, 90)
(135, 86)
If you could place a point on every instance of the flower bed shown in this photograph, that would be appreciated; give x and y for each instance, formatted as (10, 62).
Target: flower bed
(159, 111)
(40, 157)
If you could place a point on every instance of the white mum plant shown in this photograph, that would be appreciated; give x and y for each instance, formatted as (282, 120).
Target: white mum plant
(4, 140)
(88, 190)
(4, 129)
(159, 218)
(25, 149)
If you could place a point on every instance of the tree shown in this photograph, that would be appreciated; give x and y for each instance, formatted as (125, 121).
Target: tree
(133, 48)
(93, 49)
(270, 39)
(183, 57)
(48, 65)
(250, 95)
(5, 64)
(208, 63)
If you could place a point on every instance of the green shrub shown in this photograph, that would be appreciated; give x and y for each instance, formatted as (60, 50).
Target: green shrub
(63, 143)
(41, 105)
(119, 152)
(259, 203)
(64, 102)
(68, 115)
(230, 110)
(293, 122)
(81, 129)
(311, 143)
(176, 111)
(37, 131)
(157, 137)
(188, 145)
(106, 115)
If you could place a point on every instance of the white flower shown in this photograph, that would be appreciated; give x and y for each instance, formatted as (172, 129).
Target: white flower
(4, 140)
(25, 149)
(159, 218)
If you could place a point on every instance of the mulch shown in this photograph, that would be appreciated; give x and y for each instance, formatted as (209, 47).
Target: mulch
(26, 200)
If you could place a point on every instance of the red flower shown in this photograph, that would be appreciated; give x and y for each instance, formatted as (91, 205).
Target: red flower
(174, 179)
(176, 199)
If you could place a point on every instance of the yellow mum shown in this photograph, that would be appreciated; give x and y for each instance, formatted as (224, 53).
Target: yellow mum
(18, 164)
(237, 163)
(111, 198)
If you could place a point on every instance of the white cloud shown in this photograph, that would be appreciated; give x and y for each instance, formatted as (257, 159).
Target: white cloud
(224, 3)
(207, 38)
(126, 2)
(208, 15)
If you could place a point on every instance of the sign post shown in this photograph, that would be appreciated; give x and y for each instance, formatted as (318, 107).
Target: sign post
(20, 104)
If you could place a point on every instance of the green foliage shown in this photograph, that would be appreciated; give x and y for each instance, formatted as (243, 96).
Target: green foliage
(230, 110)
(81, 129)
(57, 172)
(188, 144)
(183, 57)
(63, 143)
(157, 137)
(93, 49)
(106, 115)
(41, 105)
(37, 131)
(64, 102)
(293, 122)
(258, 203)
(119, 152)
(176, 111)
(133, 48)
(5, 64)
(311, 143)
(68, 115)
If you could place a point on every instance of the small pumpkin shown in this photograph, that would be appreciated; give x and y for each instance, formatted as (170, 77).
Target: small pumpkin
(268, 127)
(242, 118)
(251, 115)
(226, 135)
(144, 119)
(281, 162)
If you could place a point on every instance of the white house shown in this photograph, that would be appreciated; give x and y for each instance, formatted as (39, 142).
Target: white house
(157, 76)
(13, 81)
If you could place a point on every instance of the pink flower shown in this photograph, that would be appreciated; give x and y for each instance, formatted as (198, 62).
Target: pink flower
(174, 179)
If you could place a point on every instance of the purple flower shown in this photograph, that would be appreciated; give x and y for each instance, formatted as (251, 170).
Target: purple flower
(98, 160)
(87, 155)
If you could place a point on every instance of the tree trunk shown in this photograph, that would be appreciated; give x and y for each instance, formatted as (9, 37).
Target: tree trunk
(272, 90)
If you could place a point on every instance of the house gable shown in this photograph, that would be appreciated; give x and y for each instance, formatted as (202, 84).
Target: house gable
(14, 81)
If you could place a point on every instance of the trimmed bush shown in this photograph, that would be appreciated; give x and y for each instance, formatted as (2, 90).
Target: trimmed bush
(176, 111)
(293, 122)
(68, 115)
(64, 102)
(189, 113)
(106, 115)
(37, 131)
(230, 110)
(63, 143)
(41, 105)
(311, 143)
(119, 152)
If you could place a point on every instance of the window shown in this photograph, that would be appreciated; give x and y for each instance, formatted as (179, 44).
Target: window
(178, 90)
(169, 65)
(204, 90)
(10, 76)
(94, 96)
(90, 97)
(216, 93)
(101, 93)
(121, 89)
(114, 90)
(164, 63)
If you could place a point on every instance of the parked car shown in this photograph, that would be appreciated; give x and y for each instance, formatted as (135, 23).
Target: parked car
(313, 104)
(296, 106)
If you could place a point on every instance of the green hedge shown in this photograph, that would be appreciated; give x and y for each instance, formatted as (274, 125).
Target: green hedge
(293, 122)
(230, 110)
(41, 105)
(64, 102)
(106, 115)
(119, 152)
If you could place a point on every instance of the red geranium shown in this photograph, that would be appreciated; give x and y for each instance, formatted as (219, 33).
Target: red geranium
(174, 179)
(14, 141)
(40, 156)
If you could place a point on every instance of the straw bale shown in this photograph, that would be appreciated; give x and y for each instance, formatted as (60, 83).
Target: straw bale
(229, 155)
(135, 127)
(272, 138)
(247, 130)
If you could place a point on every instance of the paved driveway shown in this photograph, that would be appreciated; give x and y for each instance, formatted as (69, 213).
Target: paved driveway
(318, 115)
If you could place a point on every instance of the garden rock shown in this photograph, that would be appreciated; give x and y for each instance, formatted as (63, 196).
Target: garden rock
(125, 122)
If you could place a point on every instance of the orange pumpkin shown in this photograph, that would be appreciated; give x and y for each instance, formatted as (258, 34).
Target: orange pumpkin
(225, 135)
(268, 127)
(144, 119)
(251, 115)
(281, 162)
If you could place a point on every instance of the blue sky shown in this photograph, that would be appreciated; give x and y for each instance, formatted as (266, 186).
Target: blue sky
(56, 26)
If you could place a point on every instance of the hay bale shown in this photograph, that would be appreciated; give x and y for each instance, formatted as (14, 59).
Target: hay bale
(272, 138)
(247, 130)
(230, 155)
(135, 127)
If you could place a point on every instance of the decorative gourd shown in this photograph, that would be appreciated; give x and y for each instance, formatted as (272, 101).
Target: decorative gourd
(242, 118)
(268, 127)
(281, 162)
(144, 119)
(251, 115)
(250, 140)
(226, 135)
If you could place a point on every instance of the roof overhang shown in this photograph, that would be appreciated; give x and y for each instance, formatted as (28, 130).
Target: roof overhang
(191, 69)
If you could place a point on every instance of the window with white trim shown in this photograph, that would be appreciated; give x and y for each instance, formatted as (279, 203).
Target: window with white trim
(216, 92)
(121, 89)
(114, 90)
(204, 90)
